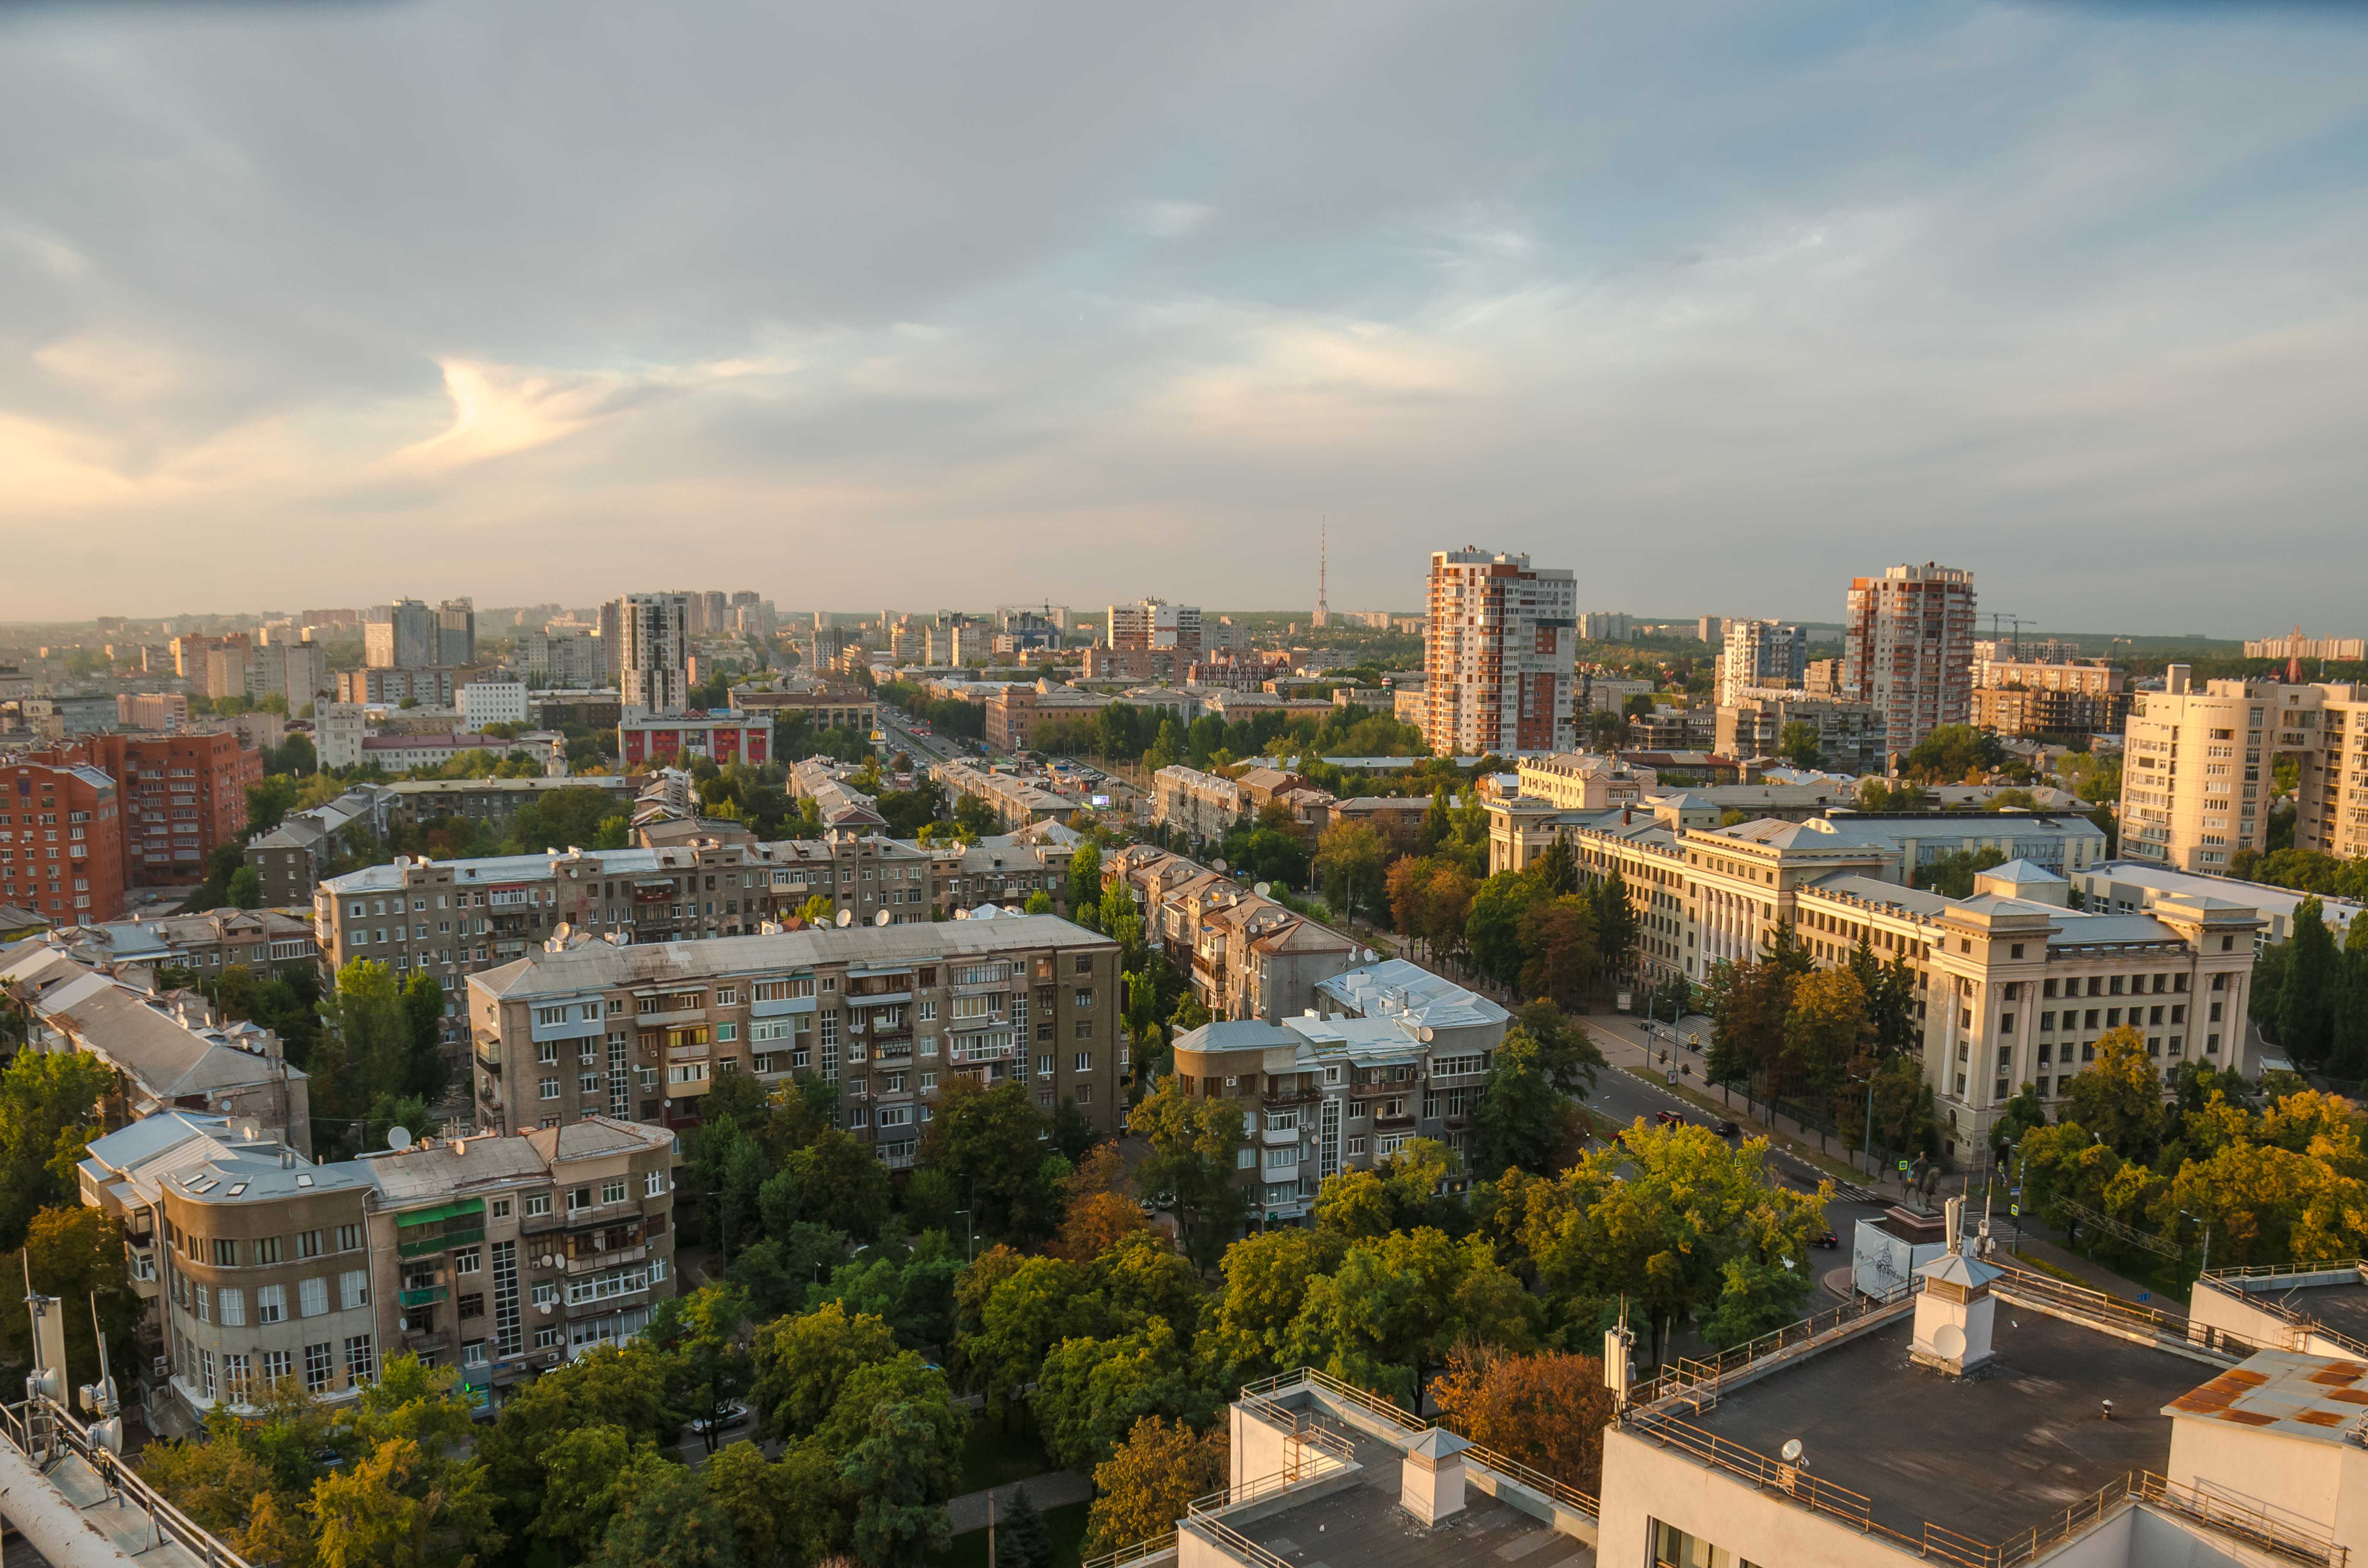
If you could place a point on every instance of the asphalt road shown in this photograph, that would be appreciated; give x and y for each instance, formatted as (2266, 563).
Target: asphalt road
(1623, 1093)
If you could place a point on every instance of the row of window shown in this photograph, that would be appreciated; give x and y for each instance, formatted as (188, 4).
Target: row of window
(241, 1377)
(227, 1305)
(261, 1251)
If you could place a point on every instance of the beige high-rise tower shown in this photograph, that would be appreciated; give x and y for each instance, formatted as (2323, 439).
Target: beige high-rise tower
(2199, 769)
(1907, 647)
(1498, 662)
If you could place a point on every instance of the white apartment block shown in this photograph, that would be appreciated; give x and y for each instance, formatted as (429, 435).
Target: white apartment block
(1155, 623)
(338, 731)
(1765, 654)
(654, 652)
(1907, 647)
(567, 659)
(2198, 769)
(484, 702)
(1497, 664)
(2294, 645)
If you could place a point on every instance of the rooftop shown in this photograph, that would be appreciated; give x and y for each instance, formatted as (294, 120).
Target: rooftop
(1362, 1526)
(2286, 1392)
(602, 966)
(1873, 1421)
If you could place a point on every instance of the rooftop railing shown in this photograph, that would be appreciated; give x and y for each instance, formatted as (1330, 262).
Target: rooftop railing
(43, 1430)
(1700, 1379)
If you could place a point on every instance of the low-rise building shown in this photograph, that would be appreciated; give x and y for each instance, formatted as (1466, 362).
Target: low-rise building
(167, 1052)
(1389, 1052)
(407, 754)
(1582, 782)
(1017, 799)
(822, 706)
(2135, 887)
(484, 702)
(1850, 735)
(891, 1015)
(1014, 713)
(266, 942)
(1200, 806)
(500, 1256)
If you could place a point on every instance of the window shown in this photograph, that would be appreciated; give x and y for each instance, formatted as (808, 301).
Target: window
(266, 1250)
(1084, 996)
(350, 1238)
(234, 1307)
(1083, 1094)
(612, 1192)
(225, 1255)
(312, 1297)
(537, 1203)
(549, 1089)
(1085, 1061)
(466, 1261)
(501, 1207)
(278, 1367)
(205, 1303)
(361, 1364)
(353, 1289)
(546, 1294)
(579, 1198)
(319, 1367)
(473, 1305)
(1246, 1159)
(271, 1304)
(1084, 963)
(1357, 1147)
(653, 1183)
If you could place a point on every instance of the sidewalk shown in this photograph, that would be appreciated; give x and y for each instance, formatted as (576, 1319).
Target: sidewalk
(2095, 1276)
(1053, 1489)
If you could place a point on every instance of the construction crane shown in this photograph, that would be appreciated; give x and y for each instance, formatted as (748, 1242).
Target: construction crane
(2017, 621)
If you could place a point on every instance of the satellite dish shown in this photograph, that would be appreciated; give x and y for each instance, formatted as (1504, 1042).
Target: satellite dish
(1790, 1452)
(1263, 889)
(881, 918)
(544, 1309)
(847, 917)
(398, 1137)
(1217, 865)
(402, 1325)
(1426, 1034)
(1950, 1341)
(1369, 955)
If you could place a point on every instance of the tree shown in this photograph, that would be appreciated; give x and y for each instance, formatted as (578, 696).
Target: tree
(1825, 1026)
(1350, 859)
(1039, 902)
(1090, 1392)
(668, 1521)
(781, 1511)
(1548, 1409)
(1492, 930)
(1085, 888)
(1568, 1057)
(1555, 872)
(899, 1477)
(1558, 935)
(1192, 1157)
(804, 1363)
(832, 1181)
(704, 1332)
(1398, 1302)
(1952, 876)
(1150, 1481)
(268, 800)
(75, 1254)
(2118, 1098)
(989, 1143)
(245, 890)
(1521, 1120)
(1021, 1539)
(48, 1105)
(2307, 993)
(423, 1010)
(632, 1386)
(1800, 746)
(365, 1048)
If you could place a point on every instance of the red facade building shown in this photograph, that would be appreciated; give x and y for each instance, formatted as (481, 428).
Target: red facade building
(62, 842)
(181, 795)
(671, 740)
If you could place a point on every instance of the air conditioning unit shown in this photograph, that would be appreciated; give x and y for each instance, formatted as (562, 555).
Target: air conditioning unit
(159, 1367)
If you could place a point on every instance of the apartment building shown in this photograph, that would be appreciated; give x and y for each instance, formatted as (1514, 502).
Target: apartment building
(289, 858)
(2294, 645)
(2199, 767)
(167, 1052)
(406, 754)
(1246, 955)
(180, 797)
(2134, 887)
(1201, 806)
(421, 686)
(1498, 655)
(338, 731)
(1582, 782)
(1155, 623)
(484, 702)
(63, 829)
(557, 658)
(1390, 1052)
(500, 1256)
(1014, 713)
(405, 635)
(1018, 802)
(1854, 736)
(1760, 654)
(652, 651)
(889, 1014)
(1907, 647)
(264, 942)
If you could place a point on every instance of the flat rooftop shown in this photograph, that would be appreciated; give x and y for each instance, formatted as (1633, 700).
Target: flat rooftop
(2341, 1307)
(1364, 1526)
(1872, 1420)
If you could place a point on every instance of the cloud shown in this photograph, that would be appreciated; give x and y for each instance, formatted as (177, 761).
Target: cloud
(1722, 305)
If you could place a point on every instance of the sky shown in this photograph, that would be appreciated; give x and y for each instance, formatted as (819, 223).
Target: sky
(1717, 304)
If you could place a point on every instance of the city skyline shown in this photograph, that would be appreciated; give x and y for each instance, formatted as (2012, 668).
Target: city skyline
(1739, 306)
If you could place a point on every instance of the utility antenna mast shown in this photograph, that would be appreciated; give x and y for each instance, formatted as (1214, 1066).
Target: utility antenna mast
(1323, 566)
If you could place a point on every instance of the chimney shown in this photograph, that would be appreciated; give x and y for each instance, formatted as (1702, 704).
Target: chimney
(2178, 679)
(1430, 1484)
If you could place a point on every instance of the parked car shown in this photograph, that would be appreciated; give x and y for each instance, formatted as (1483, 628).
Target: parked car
(731, 1414)
(1827, 1240)
(1669, 1118)
(1725, 1128)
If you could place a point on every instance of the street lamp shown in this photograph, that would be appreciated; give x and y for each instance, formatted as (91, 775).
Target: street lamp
(2203, 1267)
(969, 1236)
(1869, 1154)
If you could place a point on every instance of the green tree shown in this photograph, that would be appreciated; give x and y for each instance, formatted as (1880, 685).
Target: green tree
(76, 1254)
(1191, 1155)
(423, 1010)
(246, 889)
(668, 1521)
(1558, 936)
(1800, 746)
(365, 1047)
(2118, 1098)
(1150, 1481)
(988, 1141)
(1021, 1539)
(1521, 1120)
(1085, 889)
(1090, 1391)
(2307, 993)
(49, 1113)
(1492, 931)
(1349, 861)
(632, 1387)
(804, 1363)
(899, 1477)
(832, 1181)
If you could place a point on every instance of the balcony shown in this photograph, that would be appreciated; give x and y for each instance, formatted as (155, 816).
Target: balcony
(491, 1061)
(425, 1295)
(593, 1262)
(1280, 1137)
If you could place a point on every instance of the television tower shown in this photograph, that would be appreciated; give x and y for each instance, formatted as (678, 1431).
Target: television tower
(1323, 616)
